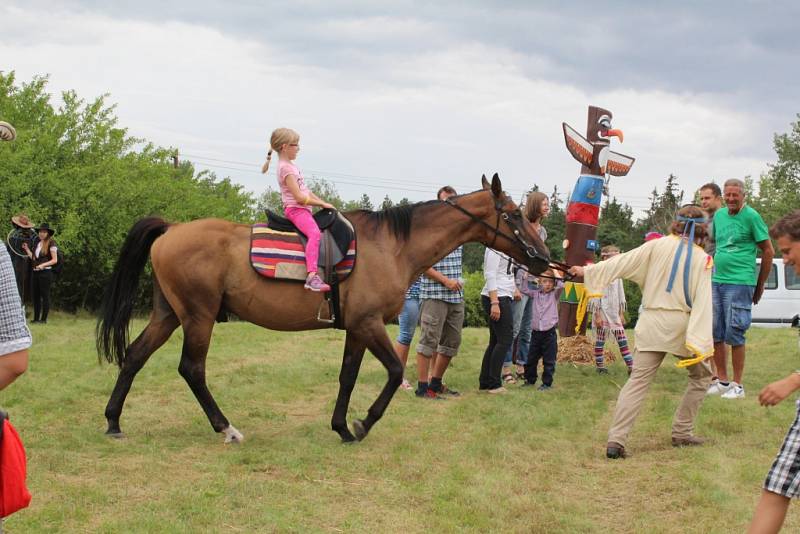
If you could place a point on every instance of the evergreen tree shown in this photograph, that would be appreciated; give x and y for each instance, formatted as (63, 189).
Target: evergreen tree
(617, 226)
(660, 214)
(556, 226)
(365, 203)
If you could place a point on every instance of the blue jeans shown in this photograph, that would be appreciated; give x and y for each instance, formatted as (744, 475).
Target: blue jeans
(408, 319)
(522, 330)
(732, 312)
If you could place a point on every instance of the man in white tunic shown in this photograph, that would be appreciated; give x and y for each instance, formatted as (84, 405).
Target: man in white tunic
(675, 276)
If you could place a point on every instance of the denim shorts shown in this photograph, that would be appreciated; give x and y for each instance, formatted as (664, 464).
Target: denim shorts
(732, 312)
(408, 319)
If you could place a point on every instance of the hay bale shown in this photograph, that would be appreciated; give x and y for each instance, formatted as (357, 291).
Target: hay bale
(580, 351)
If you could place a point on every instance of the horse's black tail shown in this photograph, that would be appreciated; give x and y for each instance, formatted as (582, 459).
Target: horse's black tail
(112, 334)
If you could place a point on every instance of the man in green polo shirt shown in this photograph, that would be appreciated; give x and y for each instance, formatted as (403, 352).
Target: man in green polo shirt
(739, 231)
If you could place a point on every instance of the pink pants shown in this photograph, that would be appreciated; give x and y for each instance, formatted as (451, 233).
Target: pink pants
(304, 222)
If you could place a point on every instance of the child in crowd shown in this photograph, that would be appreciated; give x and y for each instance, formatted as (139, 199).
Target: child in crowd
(544, 326)
(608, 316)
(297, 200)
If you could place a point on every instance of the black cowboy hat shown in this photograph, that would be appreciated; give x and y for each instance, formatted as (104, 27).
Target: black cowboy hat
(45, 226)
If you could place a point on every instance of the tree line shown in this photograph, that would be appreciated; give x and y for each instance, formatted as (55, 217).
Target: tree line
(75, 167)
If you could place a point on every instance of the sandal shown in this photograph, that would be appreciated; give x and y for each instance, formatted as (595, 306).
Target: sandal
(508, 378)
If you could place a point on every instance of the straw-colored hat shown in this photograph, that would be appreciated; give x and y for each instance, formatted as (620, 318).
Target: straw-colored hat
(7, 132)
(22, 221)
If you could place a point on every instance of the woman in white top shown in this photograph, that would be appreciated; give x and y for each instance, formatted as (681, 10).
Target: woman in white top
(496, 297)
(44, 256)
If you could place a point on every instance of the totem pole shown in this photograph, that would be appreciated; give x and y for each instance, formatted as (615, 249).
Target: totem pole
(583, 209)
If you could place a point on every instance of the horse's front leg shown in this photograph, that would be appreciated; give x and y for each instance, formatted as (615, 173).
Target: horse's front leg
(381, 347)
(351, 362)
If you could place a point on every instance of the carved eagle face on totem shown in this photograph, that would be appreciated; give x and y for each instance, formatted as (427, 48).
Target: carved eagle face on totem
(592, 151)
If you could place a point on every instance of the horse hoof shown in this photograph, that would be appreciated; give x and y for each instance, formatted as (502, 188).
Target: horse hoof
(360, 429)
(115, 434)
(232, 435)
(347, 437)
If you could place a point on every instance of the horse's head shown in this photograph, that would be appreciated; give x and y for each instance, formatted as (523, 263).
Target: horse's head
(503, 225)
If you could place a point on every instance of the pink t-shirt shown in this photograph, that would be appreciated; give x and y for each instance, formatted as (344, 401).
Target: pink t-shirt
(285, 168)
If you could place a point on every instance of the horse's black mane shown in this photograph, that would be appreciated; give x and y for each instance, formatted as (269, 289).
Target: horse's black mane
(397, 218)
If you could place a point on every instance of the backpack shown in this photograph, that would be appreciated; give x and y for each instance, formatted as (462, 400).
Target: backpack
(59, 265)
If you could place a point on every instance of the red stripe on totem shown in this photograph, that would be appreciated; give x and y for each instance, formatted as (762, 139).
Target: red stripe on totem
(580, 212)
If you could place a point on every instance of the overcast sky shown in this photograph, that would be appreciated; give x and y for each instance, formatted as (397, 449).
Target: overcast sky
(400, 98)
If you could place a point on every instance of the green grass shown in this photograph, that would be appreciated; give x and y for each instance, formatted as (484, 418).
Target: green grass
(523, 462)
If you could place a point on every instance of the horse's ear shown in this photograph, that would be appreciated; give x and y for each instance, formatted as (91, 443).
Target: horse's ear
(497, 187)
(485, 183)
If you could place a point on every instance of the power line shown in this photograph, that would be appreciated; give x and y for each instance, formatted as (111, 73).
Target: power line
(367, 181)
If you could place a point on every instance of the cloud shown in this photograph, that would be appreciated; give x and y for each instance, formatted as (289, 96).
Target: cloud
(399, 101)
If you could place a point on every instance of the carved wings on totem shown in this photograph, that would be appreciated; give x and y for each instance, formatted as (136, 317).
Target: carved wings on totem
(583, 151)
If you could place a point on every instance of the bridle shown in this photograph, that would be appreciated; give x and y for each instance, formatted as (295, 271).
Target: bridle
(514, 221)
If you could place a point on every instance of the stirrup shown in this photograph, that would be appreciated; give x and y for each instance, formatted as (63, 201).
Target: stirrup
(320, 318)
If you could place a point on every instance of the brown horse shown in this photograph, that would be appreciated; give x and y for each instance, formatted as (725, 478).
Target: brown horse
(202, 268)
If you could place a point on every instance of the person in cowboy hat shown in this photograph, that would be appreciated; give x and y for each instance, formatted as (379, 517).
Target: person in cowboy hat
(44, 257)
(22, 232)
(21, 220)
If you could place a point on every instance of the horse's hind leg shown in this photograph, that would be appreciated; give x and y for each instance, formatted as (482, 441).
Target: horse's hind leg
(162, 323)
(351, 363)
(192, 368)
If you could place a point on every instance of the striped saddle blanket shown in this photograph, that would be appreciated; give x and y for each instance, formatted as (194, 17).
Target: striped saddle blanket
(281, 255)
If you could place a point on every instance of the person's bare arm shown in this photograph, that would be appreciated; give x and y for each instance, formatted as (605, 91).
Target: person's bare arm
(777, 391)
(433, 274)
(309, 199)
(767, 253)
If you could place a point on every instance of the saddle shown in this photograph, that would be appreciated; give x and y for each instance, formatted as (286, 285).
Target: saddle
(277, 248)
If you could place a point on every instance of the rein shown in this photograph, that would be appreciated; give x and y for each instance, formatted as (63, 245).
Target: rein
(517, 238)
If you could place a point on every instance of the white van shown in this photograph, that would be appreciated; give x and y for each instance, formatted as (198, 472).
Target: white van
(781, 300)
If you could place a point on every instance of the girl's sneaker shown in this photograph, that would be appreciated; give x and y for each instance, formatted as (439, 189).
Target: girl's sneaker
(315, 283)
(406, 385)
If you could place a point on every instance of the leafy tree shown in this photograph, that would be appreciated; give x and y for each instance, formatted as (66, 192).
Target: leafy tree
(75, 167)
(779, 188)
(387, 203)
(326, 191)
(472, 257)
(270, 200)
(473, 310)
